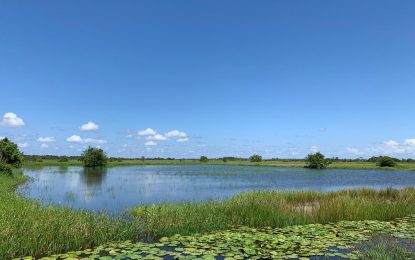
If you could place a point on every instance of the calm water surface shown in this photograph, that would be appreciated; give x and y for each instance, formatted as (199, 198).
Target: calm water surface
(115, 189)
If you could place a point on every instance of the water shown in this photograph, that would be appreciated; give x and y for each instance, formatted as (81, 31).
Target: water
(115, 189)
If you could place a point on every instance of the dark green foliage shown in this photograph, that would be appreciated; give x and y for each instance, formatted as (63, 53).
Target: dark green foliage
(316, 161)
(94, 157)
(63, 159)
(6, 168)
(255, 158)
(9, 153)
(203, 159)
(386, 161)
(224, 159)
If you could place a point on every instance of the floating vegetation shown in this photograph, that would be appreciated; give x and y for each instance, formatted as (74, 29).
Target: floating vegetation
(334, 240)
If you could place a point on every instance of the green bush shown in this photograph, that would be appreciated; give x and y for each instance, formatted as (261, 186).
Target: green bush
(6, 169)
(9, 153)
(316, 161)
(203, 159)
(386, 161)
(255, 158)
(63, 159)
(94, 157)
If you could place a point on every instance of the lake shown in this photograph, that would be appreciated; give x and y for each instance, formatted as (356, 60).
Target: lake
(115, 189)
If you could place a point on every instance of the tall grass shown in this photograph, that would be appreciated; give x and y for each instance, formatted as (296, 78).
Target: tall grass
(276, 209)
(27, 228)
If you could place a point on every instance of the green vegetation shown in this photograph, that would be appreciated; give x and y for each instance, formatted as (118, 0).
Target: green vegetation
(386, 161)
(351, 165)
(27, 228)
(6, 169)
(316, 161)
(275, 209)
(203, 159)
(94, 157)
(337, 240)
(386, 247)
(63, 159)
(9, 153)
(255, 158)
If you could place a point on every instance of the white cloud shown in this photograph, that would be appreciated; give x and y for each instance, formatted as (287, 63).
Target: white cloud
(391, 143)
(147, 132)
(182, 140)
(44, 146)
(2, 137)
(12, 120)
(48, 139)
(157, 137)
(78, 139)
(314, 149)
(176, 133)
(90, 126)
(150, 143)
(410, 142)
(22, 145)
(353, 150)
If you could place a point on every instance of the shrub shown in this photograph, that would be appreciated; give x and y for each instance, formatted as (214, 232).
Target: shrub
(316, 161)
(93, 157)
(9, 153)
(255, 158)
(386, 161)
(203, 159)
(6, 169)
(63, 159)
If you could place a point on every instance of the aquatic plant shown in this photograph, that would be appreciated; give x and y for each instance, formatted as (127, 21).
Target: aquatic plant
(334, 240)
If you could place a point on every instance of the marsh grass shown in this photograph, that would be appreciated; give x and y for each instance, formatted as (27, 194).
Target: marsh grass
(384, 247)
(27, 228)
(275, 209)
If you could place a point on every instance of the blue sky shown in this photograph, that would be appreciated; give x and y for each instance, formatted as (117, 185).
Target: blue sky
(233, 78)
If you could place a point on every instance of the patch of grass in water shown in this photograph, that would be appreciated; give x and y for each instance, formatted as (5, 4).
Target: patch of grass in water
(275, 209)
(386, 247)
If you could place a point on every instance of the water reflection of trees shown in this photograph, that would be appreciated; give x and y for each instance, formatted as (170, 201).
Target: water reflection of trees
(92, 177)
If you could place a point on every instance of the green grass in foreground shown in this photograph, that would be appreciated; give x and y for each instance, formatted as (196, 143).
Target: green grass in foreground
(275, 209)
(410, 166)
(27, 228)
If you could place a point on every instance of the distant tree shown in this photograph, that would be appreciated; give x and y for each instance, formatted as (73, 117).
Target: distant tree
(224, 159)
(255, 158)
(142, 158)
(386, 161)
(93, 157)
(316, 161)
(203, 159)
(63, 159)
(9, 153)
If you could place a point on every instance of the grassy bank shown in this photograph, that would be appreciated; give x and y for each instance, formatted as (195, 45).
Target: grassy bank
(276, 209)
(27, 228)
(410, 166)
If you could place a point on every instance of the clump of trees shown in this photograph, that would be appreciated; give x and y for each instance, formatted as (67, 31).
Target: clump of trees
(9, 153)
(94, 157)
(10, 156)
(386, 161)
(203, 159)
(63, 159)
(316, 161)
(255, 158)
